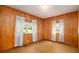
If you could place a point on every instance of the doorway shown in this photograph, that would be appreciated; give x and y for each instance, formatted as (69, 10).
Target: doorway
(19, 31)
(58, 30)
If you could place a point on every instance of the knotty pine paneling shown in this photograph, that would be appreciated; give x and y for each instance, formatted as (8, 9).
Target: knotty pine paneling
(70, 28)
(1, 21)
(7, 27)
(78, 30)
(47, 29)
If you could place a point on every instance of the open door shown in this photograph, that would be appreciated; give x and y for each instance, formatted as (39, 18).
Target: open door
(58, 31)
(19, 26)
(34, 30)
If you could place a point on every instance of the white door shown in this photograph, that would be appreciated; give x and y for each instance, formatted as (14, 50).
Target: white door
(19, 31)
(53, 30)
(61, 32)
(34, 30)
(60, 27)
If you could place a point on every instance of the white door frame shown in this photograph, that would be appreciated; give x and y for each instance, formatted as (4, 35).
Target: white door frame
(19, 31)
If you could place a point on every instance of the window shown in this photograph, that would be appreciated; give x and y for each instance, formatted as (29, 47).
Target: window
(57, 27)
(28, 28)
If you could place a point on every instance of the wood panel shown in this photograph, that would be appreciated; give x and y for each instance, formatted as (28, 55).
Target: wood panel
(70, 27)
(7, 26)
(47, 29)
(27, 39)
(57, 37)
(78, 30)
(1, 21)
(40, 30)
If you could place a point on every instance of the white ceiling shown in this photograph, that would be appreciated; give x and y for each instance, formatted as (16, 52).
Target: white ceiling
(46, 11)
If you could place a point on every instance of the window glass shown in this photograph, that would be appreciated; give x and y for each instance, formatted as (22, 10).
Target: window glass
(57, 27)
(28, 28)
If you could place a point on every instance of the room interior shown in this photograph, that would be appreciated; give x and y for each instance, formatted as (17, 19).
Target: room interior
(39, 29)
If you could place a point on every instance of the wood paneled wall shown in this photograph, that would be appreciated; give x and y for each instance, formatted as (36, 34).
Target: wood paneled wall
(78, 30)
(47, 29)
(70, 28)
(7, 26)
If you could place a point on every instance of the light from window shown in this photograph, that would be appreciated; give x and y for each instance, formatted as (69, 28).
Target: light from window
(28, 28)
